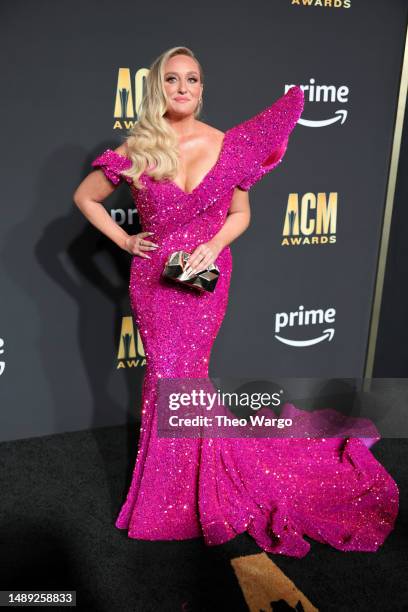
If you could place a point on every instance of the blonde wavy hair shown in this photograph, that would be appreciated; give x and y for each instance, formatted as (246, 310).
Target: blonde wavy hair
(152, 143)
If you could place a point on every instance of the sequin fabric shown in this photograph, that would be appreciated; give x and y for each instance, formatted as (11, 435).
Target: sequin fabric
(278, 490)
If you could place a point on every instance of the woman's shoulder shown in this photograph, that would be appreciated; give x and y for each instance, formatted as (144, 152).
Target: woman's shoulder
(123, 150)
(113, 161)
(210, 134)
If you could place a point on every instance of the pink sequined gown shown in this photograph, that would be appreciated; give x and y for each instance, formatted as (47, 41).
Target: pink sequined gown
(330, 489)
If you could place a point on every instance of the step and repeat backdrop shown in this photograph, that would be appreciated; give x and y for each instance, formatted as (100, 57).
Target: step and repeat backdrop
(304, 272)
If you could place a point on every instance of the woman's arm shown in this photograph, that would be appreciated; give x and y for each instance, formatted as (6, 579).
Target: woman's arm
(237, 221)
(90, 194)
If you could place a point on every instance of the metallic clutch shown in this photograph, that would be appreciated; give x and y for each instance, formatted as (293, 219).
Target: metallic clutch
(204, 280)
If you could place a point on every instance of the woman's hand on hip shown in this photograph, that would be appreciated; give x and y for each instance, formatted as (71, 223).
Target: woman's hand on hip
(137, 244)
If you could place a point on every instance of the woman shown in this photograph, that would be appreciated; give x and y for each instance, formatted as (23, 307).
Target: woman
(189, 182)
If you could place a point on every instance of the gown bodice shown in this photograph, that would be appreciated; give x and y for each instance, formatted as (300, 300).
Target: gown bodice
(249, 150)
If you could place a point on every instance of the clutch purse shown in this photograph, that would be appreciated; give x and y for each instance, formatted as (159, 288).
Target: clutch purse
(204, 280)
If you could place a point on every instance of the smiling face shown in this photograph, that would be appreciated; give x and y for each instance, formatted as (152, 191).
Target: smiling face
(182, 85)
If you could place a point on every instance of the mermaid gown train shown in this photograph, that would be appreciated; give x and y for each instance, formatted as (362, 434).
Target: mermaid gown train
(278, 490)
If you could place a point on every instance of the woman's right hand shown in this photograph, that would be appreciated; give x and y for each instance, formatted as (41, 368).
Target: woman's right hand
(137, 244)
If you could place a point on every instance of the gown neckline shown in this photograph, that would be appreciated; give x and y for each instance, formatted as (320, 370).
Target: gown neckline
(205, 177)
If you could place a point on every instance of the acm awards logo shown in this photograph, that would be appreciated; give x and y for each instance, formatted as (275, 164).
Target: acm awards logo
(131, 353)
(310, 219)
(127, 103)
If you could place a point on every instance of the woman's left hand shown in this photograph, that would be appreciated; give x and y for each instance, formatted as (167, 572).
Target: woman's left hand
(202, 256)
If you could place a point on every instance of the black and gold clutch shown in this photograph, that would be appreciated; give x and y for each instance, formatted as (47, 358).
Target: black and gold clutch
(204, 280)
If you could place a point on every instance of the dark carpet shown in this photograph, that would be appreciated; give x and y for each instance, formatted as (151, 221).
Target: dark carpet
(62, 493)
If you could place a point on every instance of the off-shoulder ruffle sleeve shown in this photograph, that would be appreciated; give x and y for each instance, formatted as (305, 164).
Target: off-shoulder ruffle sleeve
(261, 141)
(112, 164)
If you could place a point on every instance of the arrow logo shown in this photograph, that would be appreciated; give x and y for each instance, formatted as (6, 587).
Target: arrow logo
(327, 335)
